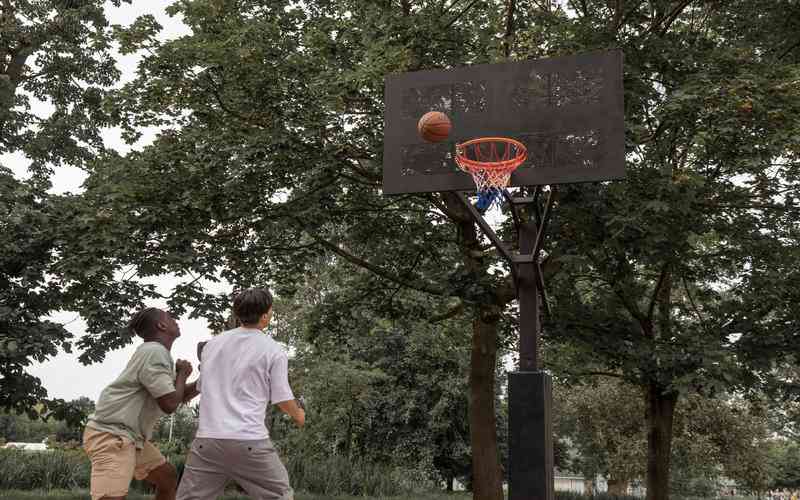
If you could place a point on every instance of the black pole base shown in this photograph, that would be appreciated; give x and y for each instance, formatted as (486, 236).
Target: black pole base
(530, 436)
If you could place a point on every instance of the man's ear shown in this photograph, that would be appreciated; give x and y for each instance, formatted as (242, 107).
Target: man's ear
(161, 325)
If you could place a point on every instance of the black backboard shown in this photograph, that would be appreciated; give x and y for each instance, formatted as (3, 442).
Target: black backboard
(568, 111)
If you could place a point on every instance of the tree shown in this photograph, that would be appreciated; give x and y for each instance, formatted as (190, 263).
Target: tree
(682, 277)
(54, 56)
(603, 423)
(272, 120)
(176, 431)
(784, 457)
(713, 438)
(57, 52)
(272, 117)
(394, 394)
(72, 429)
(44, 425)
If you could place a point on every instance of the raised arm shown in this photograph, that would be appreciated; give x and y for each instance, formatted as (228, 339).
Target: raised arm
(170, 402)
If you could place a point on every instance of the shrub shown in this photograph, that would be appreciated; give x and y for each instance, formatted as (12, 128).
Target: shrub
(336, 475)
(55, 469)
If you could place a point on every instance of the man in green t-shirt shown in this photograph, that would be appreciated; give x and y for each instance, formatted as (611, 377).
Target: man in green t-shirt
(117, 435)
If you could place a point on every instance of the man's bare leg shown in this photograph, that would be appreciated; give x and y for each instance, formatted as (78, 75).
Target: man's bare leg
(165, 479)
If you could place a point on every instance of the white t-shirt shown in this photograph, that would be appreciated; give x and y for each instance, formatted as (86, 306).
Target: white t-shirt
(242, 371)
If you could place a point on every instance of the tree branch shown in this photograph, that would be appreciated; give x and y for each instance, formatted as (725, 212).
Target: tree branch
(694, 306)
(422, 287)
(656, 290)
(670, 18)
(512, 6)
(789, 50)
(452, 313)
(215, 91)
(458, 16)
(596, 374)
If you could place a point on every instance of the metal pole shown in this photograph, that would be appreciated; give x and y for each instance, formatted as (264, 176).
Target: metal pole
(530, 393)
(528, 302)
(530, 428)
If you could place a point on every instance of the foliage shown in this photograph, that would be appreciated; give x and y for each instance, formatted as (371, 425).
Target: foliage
(783, 457)
(58, 53)
(335, 475)
(603, 422)
(237, 130)
(22, 428)
(54, 469)
(713, 437)
(394, 394)
(339, 475)
(56, 67)
(682, 278)
(184, 426)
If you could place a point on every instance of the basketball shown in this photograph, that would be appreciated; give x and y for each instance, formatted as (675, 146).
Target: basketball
(434, 126)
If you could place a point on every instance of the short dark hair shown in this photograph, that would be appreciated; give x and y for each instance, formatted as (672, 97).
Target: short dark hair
(143, 323)
(250, 304)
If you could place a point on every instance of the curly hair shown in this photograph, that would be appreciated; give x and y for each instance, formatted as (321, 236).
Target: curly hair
(144, 322)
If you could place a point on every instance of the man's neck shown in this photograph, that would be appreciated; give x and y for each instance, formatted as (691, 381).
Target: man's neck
(163, 340)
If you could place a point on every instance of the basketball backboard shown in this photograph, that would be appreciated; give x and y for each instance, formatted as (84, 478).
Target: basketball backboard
(567, 111)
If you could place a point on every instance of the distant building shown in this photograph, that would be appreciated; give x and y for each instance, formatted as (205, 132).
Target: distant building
(574, 484)
(26, 446)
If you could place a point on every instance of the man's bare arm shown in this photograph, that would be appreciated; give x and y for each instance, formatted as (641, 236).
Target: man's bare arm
(292, 409)
(190, 392)
(170, 402)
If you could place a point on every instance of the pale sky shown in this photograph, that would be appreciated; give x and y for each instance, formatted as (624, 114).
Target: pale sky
(63, 376)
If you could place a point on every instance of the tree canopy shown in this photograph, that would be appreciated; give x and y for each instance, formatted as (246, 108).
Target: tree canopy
(682, 278)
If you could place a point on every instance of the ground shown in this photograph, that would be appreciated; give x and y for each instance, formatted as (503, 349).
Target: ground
(83, 495)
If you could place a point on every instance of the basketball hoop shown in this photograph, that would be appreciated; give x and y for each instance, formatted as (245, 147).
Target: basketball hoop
(490, 161)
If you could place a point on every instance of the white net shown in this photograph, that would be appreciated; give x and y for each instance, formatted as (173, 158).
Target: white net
(486, 180)
(490, 161)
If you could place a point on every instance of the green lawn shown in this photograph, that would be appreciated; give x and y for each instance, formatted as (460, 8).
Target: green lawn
(82, 495)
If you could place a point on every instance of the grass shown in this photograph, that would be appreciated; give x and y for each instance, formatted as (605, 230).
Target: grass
(83, 495)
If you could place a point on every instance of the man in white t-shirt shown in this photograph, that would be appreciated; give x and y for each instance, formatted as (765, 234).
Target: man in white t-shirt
(242, 371)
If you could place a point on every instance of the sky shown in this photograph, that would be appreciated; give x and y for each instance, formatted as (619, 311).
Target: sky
(64, 376)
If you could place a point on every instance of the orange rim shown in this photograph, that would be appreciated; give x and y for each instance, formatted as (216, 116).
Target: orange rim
(507, 163)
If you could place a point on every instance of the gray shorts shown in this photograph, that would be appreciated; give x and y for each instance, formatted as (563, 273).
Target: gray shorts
(254, 465)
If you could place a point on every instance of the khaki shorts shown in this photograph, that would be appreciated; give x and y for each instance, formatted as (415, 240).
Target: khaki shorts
(115, 461)
(254, 465)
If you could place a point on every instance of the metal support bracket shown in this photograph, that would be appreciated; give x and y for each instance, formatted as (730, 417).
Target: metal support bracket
(515, 259)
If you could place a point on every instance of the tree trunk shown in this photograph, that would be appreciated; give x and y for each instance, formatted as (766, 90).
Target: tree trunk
(486, 474)
(487, 478)
(449, 482)
(659, 417)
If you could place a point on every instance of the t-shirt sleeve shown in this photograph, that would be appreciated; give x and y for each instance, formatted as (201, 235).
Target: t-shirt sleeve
(279, 390)
(156, 374)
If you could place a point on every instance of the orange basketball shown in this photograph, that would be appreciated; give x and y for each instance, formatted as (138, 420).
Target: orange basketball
(434, 126)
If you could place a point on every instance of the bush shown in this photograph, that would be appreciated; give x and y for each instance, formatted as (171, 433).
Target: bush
(336, 475)
(56, 469)
(568, 495)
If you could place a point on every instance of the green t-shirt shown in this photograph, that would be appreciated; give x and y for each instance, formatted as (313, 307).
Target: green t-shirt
(128, 406)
